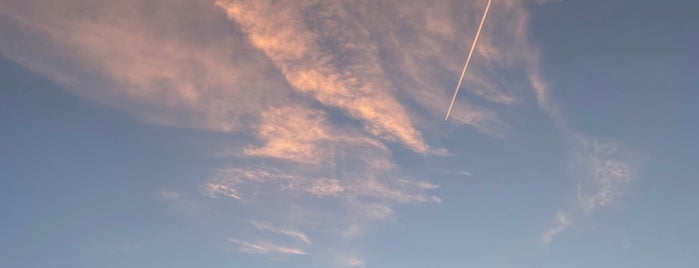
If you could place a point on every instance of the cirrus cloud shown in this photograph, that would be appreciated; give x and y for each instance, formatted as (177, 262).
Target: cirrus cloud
(319, 93)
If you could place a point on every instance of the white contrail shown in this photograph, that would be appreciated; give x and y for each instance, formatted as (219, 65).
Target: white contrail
(470, 54)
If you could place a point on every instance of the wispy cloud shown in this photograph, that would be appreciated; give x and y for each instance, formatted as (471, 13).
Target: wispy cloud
(325, 187)
(361, 199)
(215, 189)
(262, 226)
(350, 261)
(236, 66)
(301, 134)
(126, 56)
(278, 29)
(560, 224)
(316, 94)
(170, 195)
(465, 173)
(608, 171)
(601, 167)
(266, 248)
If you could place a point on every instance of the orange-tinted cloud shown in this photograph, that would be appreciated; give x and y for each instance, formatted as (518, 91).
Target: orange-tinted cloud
(189, 72)
(278, 29)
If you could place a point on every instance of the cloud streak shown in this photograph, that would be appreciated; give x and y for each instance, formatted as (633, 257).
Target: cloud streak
(350, 262)
(262, 226)
(266, 248)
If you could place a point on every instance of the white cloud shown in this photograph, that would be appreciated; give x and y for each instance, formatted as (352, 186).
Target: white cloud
(465, 173)
(560, 224)
(262, 226)
(170, 195)
(607, 174)
(350, 262)
(627, 244)
(601, 167)
(215, 189)
(267, 248)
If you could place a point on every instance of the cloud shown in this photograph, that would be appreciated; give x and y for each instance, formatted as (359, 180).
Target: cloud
(465, 173)
(291, 133)
(360, 198)
(315, 94)
(267, 248)
(233, 182)
(350, 261)
(191, 72)
(420, 40)
(608, 172)
(262, 226)
(314, 91)
(297, 133)
(561, 223)
(215, 189)
(200, 71)
(398, 190)
(627, 244)
(325, 187)
(441, 152)
(278, 29)
(170, 195)
(601, 167)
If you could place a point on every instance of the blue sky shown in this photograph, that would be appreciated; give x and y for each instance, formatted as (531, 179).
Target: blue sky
(238, 133)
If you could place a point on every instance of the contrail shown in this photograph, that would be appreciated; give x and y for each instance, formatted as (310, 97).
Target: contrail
(468, 60)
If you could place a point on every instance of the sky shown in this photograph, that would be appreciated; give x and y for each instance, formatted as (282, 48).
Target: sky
(262, 133)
